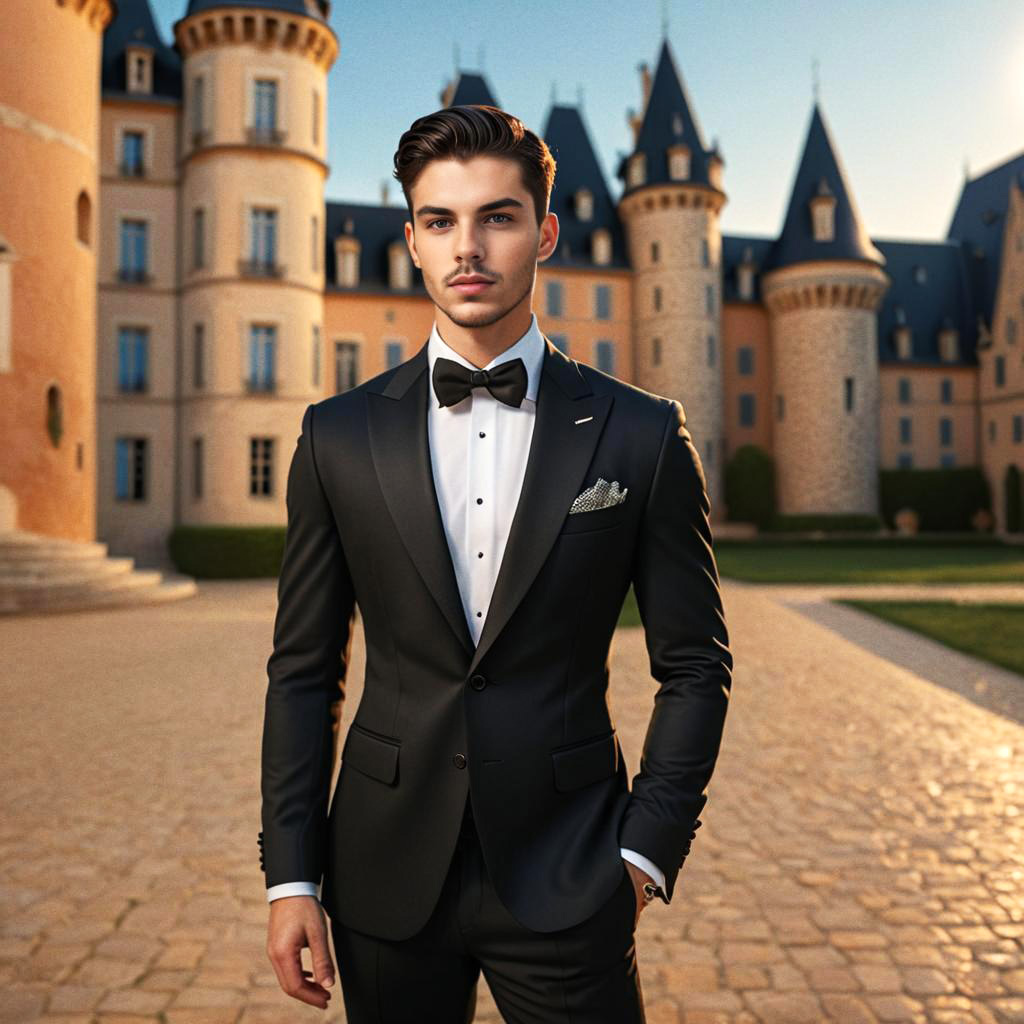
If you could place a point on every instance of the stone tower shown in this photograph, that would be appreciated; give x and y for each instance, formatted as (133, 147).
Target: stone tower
(670, 207)
(252, 241)
(823, 283)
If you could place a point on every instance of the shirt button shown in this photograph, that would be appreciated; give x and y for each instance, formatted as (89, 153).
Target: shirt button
(478, 614)
(482, 434)
(479, 501)
(479, 554)
(459, 760)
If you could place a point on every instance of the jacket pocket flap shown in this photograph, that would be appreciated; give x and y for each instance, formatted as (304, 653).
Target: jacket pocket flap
(585, 763)
(371, 754)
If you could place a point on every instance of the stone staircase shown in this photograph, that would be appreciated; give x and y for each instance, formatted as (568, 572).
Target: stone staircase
(48, 574)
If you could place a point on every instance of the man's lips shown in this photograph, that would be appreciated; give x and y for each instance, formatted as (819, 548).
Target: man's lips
(471, 287)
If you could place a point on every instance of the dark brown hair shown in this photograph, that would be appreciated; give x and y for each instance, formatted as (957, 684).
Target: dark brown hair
(470, 130)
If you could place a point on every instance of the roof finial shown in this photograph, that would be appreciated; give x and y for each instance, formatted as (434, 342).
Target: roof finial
(815, 79)
(664, 18)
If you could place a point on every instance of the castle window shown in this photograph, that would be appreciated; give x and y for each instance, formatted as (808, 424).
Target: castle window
(949, 344)
(679, 162)
(601, 246)
(903, 386)
(745, 360)
(264, 127)
(198, 357)
(393, 353)
(747, 409)
(134, 251)
(132, 154)
(198, 238)
(946, 390)
(132, 360)
(1018, 428)
(947, 460)
(604, 356)
(316, 355)
(197, 468)
(904, 341)
(906, 460)
(711, 350)
(945, 431)
(656, 351)
(261, 467)
(198, 109)
(130, 468)
(823, 213)
(138, 68)
(999, 366)
(584, 204)
(560, 341)
(262, 240)
(346, 365)
(262, 353)
(705, 253)
(399, 265)
(780, 407)
(349, 267)
(602, 301)
(745, 273)
(905, 435)
(709, 299)
(848, 393)
(555, 298)
(655, 252)
(636, 173)
(991, 430)
(83, 211)
(656, 298)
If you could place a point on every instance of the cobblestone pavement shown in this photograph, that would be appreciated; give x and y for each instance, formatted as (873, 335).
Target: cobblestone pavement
(861, 857)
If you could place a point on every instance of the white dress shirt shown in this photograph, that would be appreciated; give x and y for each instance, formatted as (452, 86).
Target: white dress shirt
(478, 453)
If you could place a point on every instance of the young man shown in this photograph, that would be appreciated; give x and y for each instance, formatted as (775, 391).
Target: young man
(487, 503)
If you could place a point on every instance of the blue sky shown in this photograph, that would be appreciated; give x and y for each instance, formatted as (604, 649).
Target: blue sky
(910, 90)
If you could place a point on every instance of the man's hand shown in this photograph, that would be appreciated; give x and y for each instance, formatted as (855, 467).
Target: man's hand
(295, 922)
(639, 877)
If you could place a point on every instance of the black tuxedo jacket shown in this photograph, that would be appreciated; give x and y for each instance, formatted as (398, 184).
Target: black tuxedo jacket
(519, 723)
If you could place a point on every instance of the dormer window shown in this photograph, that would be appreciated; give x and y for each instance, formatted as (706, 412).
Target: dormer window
(677, 123)
(903, 341)
(949, 342)
(138, 69)
(601, 246)
(346, 259)
(823, 213)
(584, 204)
(679, 162)
(399, 266)
(637, 170)
(745, 275)
(920, 274)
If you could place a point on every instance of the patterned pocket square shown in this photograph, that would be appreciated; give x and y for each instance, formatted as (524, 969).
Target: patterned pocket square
(600, 495)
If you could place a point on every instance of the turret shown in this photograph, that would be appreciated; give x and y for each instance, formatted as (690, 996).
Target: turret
(670, 209)
(823, 284)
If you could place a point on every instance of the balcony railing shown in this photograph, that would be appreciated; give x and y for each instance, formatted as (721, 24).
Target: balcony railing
(130, 170)
(260, 268)
(264, 135)
(252, 386)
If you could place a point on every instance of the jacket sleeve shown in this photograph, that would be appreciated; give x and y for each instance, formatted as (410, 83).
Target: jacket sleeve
(675, 579)
(306, 676)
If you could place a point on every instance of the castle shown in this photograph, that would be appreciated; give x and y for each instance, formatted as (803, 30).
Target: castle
(175, 288)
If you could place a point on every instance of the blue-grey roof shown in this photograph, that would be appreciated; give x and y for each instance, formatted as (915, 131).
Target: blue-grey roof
(734, 247)
(820, 170)
(319, 9)
(133, 24)
(668, 108)
(577, 167)
(930, 285)
(471, 88)
(376, 227)
(978, 223)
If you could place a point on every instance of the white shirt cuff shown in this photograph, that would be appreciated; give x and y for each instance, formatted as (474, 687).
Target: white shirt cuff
(275, 892)
(645, 864)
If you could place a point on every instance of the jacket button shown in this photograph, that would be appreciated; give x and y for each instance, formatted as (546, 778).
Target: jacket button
(478, 682)
(460, 760)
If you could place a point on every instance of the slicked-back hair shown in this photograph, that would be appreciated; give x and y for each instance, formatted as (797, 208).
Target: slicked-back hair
(470, 130)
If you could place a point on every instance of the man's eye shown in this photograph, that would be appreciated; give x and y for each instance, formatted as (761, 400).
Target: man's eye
(444, 220)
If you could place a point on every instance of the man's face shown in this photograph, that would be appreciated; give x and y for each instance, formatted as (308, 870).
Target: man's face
(475, 218)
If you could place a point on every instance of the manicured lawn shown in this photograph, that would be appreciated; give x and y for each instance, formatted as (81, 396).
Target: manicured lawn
(990, 631)
(811, 562)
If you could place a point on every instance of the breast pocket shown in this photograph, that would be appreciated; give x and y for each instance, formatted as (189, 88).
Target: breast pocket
(595, 519)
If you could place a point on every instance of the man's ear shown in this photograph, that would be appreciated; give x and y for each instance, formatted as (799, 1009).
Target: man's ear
(410, 241)
(548, 236)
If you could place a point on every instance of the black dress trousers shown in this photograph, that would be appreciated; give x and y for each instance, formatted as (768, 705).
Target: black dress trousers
(586, 974)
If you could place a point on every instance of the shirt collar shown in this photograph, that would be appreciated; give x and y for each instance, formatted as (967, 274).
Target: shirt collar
(530, 348)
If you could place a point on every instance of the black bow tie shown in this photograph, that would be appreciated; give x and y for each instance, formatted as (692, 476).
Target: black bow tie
(453, 381)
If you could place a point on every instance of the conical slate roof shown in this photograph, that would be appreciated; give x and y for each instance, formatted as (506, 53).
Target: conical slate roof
(471, 88)
(669, 119)
(577, 167)
(821, 173)
(133, 25)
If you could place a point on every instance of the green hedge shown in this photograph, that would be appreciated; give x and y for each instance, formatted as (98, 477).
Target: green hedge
(227, 552)
(944, 498)
(1012, 490)
(749, 485)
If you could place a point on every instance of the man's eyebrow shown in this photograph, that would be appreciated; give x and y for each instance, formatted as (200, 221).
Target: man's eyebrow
(442, 211)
